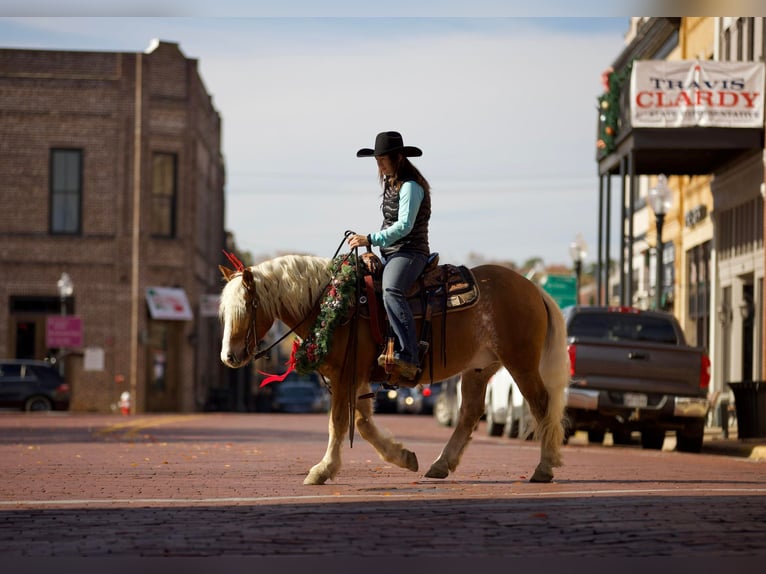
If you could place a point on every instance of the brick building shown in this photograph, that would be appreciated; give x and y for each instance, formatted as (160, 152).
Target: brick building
(112, 173)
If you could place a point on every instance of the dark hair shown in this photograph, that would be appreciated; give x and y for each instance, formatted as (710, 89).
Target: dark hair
(405, 171)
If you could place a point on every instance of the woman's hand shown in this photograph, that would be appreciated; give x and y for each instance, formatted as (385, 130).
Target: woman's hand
(358, 241)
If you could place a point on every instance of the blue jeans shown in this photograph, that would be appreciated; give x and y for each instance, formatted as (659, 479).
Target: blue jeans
(399, 274)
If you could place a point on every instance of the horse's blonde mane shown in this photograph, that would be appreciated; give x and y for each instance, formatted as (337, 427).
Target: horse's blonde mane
(291, 283)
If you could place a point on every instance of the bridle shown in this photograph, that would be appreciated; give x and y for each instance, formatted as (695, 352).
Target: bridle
(251, 343)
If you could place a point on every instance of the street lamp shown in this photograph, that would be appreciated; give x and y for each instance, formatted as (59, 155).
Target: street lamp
(66, 288)
(578, 251)
(660, 200)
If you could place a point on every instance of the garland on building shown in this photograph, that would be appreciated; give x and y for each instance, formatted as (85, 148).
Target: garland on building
(609, 107)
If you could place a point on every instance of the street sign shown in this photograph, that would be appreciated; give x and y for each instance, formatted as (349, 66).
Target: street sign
(63, 331)
(563, 289)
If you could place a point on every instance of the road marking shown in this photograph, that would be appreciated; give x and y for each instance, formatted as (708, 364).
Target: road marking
(382, 496)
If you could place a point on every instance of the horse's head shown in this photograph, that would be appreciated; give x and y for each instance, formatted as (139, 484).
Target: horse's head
(243, 324)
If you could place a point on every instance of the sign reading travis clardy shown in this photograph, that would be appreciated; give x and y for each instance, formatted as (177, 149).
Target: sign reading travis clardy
(695, 93)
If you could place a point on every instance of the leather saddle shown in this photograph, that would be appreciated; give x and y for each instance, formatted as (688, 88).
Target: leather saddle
(439, 289)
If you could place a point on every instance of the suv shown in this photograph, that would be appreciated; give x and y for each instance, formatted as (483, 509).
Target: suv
(32, 386)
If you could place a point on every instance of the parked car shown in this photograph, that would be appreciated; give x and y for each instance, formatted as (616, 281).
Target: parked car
(401, 400)
(409, 401)
(300, 394)
(385, 399)
(506, 411)
(430, 394)
(447, 403)
(32, 386)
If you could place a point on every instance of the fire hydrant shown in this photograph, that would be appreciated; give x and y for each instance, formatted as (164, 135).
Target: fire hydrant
(124, 403)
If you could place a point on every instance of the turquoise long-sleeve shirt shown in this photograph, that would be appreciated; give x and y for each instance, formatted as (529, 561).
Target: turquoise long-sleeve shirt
(410, 197)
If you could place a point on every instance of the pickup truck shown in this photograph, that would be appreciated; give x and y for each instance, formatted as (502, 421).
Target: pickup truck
(632, 370)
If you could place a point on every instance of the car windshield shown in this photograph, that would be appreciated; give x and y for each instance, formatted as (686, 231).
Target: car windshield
(622, 327)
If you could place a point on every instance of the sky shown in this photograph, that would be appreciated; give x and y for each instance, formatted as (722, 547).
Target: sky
(504, 109)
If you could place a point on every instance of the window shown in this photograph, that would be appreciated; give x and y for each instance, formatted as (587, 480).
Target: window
(163, 203)
(66, 191)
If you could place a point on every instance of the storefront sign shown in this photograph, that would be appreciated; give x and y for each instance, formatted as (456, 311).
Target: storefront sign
(695, 93)
(63, 331)
(695, 215)
(168, 303)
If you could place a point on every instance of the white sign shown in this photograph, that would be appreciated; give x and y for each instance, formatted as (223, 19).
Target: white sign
(168, 303)
(696, 93)
(94, 359)
(208, 305)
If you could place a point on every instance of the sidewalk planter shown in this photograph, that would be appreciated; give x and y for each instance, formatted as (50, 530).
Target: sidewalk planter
(750, 402)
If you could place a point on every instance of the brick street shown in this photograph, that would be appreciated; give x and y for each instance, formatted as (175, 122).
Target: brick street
(230, 485)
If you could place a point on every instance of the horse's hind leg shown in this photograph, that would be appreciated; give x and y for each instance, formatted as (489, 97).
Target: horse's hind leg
(547, 411)
(473, 387)
(388, 449)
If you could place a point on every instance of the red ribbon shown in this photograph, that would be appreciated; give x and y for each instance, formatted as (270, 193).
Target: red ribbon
(234, 260)
(291, 362)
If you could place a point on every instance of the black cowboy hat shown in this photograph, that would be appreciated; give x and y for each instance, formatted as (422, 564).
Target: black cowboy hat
(389, 142)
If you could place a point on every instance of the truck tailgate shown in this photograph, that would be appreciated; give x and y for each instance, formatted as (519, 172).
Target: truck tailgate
(633, 366)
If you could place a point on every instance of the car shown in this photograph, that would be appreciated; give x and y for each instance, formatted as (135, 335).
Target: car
(430, 394)
(447, 403)
(506, 411)
(300, 394)
(33, 386)
(409, 400)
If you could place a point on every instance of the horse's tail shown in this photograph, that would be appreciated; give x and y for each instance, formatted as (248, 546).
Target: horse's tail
(554, 370)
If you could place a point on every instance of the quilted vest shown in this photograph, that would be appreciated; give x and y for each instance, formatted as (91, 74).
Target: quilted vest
(417, 239)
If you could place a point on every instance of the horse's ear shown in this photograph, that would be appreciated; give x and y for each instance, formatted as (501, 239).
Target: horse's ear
(247, 279)
(226, 272)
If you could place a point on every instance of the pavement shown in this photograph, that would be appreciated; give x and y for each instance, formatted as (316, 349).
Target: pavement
(716, 442)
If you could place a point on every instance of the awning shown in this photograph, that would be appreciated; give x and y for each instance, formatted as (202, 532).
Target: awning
(168, 304)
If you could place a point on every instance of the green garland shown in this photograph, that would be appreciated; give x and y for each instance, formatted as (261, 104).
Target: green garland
(609, 109)
(335, 307)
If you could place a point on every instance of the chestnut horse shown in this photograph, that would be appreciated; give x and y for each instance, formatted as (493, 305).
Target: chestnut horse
(514, 323)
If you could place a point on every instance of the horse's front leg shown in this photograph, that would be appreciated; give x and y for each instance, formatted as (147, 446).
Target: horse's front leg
(473, 387)
(329, 466)
(388, 449)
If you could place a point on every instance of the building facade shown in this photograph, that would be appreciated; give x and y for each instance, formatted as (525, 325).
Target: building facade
(112, 174)
(712, 264)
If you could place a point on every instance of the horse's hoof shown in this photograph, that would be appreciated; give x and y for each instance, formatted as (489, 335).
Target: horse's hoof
(437, 472)
(541, 476)
(315, 477)
(411, 461)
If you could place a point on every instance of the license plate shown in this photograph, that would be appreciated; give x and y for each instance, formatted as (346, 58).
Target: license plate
(635, 400)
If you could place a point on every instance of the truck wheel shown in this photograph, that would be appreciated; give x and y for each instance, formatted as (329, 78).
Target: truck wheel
(621, 437)
(690, 439)
(652, 439)
(596, 435)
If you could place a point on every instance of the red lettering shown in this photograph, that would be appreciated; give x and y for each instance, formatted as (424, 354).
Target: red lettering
(687, 101)
(750, 98)
(705, 98)
(640, 101)
(732, 100)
